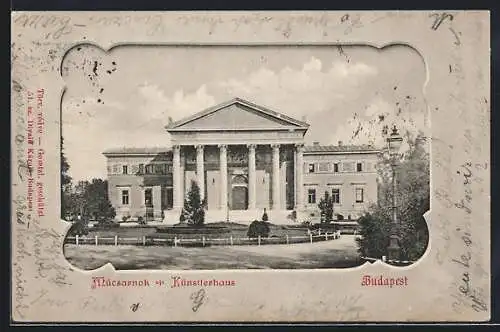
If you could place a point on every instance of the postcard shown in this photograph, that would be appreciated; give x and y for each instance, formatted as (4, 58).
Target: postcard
(250, 166)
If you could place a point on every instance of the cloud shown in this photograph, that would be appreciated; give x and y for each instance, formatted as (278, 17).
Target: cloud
(312, 87)
(92, 127)
(352, 70)
(368, 127)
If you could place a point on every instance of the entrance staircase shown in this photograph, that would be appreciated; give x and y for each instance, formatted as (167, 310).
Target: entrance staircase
(278, 217)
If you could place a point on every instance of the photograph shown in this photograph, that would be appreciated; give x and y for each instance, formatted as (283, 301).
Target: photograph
(257, 157)
(250, 166)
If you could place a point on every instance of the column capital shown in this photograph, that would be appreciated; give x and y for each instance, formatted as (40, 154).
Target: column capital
(222, 146)
(199, 147)
(299, 146)
(275, 146)
(176, 147)
(251, 146)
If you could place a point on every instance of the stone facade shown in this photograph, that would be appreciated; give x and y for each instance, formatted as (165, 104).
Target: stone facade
(245, 158)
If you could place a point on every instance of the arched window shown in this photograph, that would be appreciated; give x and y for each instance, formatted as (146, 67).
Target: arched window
(239, 179)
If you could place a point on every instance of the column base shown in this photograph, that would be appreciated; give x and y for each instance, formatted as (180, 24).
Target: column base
(394, 250)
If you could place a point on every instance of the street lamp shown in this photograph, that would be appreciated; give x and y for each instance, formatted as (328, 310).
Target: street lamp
(394, 142)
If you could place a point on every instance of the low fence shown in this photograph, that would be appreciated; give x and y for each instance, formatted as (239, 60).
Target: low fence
(199, 241)
(386, 260)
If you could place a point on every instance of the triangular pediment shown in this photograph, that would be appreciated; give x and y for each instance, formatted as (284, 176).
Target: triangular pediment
(236, 115)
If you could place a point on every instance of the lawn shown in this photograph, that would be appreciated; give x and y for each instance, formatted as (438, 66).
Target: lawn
(340, 253)
(235, 230)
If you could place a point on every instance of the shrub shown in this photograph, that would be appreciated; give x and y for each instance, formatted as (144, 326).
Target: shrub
(264, 216)
(125, 218)
(105, 224)
(374, 231)
(141, 220)
(78, 228)
(257, 228)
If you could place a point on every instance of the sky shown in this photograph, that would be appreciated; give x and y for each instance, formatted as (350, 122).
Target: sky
(125, 97)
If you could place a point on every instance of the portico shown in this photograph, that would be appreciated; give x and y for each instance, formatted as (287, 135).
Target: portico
(245, 159)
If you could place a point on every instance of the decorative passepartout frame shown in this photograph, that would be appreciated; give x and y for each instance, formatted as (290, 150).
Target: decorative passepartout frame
(450, 283)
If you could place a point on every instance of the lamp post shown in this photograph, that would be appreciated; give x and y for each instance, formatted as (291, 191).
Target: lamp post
(394, 143)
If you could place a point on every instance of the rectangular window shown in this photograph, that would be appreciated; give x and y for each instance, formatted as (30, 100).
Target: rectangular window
(125, 169)
(141, 168)
(311, 168)
(125, 197)
(336, 167)
(359, 195)
(348, 166)
(311, 196)
(134, 169)
(149, 169)
(157, 169)
(323, 167)
(336, 195)
(359, 167)
(148, 197)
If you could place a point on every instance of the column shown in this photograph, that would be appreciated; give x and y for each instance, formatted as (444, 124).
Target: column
(276, 176)
(156, 202)
(251, 176)
(176, 178)
(299, 170)
(200, 170)
(223, 176)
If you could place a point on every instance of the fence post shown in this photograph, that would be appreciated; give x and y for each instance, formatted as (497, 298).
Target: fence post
(96, 240)
(116, 240)
(258, 238)
(175, 241)
(311, 237)
(231, 240)
(143, 240)
(326, 236)
(76, 239)
(203, 240)
(287, 239)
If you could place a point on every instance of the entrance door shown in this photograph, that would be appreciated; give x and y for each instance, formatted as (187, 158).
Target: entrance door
(240, 198)
(167, 198)
(239, 192)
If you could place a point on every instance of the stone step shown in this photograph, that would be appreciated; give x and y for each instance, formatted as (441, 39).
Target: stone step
(279, 217)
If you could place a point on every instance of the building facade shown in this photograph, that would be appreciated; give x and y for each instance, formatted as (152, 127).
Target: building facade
(245, 158)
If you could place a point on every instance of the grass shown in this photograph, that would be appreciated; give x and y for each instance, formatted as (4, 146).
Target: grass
(236, 230)
(339, 253)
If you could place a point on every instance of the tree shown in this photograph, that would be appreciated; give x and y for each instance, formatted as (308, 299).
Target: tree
(90, 200)
(65, 184)
(413, 196)
(193, 211)
(326, 207)
(96, 200)
(374, 231)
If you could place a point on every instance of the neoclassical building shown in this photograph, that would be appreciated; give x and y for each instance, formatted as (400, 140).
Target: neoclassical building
(245, 158)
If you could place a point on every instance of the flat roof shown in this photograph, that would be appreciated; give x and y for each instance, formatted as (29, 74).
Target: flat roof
(137, 151)
(310, 149)
(339, 148)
